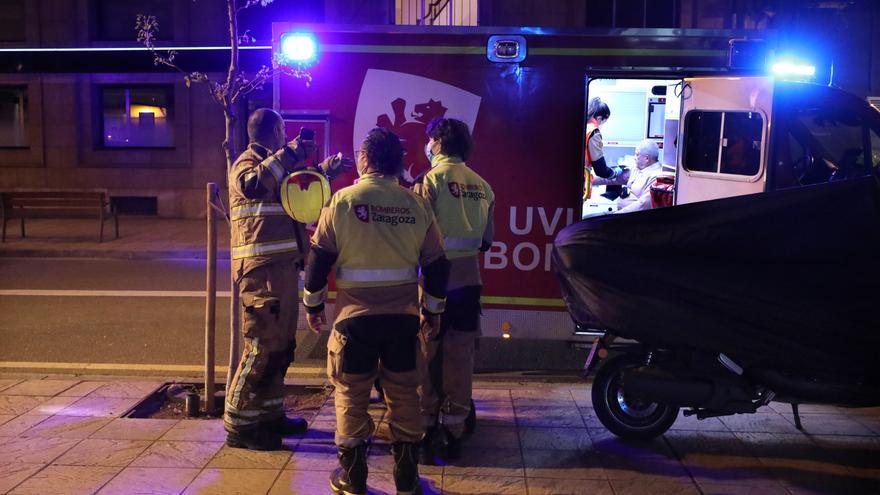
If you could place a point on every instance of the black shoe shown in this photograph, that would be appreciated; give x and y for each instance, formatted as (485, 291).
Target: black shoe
(432, 446)
(254, 439)
(406, 469)
(287, 427)
(453, 447)
(350, 478)
(470, 422)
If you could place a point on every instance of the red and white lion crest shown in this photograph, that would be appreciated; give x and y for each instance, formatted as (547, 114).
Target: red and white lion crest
(362, 212)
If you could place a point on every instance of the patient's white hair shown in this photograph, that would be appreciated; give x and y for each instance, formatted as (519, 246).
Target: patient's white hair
(648, 147)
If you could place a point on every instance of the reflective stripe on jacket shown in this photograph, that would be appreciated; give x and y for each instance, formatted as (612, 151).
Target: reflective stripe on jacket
(461, 201)
(257, 209)
(261, 232)
(379, 228)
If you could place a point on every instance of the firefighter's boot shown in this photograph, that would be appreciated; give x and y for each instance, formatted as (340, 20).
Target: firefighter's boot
(433, 445)
(287, 427)
(254, 439)
(350, 478)
(470, 423)
(453, 446)
(406, 468)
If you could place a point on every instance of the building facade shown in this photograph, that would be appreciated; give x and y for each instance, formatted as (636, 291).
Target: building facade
(82, 106)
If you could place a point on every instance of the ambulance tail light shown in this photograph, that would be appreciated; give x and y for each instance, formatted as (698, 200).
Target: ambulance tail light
(298, 49)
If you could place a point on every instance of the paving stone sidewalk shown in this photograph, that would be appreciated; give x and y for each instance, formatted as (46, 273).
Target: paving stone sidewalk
(63, 435)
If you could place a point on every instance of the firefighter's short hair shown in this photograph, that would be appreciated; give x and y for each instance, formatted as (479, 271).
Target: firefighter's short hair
(454, 137)
(383, 151)
(262, 124)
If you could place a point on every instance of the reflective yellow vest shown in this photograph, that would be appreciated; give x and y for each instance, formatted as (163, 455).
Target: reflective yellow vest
(592, 128)
(380, 227)
(461, 205)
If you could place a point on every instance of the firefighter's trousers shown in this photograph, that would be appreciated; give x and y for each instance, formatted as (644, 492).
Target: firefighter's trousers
(446, 363)
(362, 348)
(269, 308)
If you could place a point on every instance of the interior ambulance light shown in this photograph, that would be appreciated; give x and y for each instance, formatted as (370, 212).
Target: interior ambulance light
(299, 48)
(787, 68)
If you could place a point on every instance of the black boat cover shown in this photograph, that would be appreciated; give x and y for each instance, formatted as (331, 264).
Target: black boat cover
(786, 279)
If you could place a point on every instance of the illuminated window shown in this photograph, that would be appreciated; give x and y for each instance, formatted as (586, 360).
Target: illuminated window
(13, 117)
(723, 142)
(137, 116)
(437, 12)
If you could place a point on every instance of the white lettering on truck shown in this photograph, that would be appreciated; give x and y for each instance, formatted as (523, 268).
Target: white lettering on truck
(527, 256)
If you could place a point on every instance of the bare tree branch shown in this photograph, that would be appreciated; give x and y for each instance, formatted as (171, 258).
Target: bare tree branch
(237, 84)
(250, 3)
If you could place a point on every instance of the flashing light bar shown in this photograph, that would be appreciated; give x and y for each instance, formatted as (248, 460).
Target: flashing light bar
(130, 49)
(299, 49)
(787, 68)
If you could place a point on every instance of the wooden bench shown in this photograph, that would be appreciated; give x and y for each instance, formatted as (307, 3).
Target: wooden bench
(57, 204)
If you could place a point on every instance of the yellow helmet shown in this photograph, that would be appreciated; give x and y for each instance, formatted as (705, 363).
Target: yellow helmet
(303, 194)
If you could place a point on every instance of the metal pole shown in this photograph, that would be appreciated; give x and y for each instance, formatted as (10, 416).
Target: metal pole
(210, 300)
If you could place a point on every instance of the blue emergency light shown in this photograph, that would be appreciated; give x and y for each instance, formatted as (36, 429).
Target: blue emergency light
(300, 49)
(792, 69)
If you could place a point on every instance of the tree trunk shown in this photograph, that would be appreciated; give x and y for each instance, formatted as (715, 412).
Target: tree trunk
(229, 147)
(230, 150)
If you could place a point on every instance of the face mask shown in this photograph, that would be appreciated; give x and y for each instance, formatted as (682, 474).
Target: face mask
(428, 153)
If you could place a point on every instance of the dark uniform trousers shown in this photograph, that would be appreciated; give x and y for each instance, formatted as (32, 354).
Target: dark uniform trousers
(270, 305)
(362, 348)
(447, 362)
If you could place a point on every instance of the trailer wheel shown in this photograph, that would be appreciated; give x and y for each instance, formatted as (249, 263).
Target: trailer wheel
(626, 416)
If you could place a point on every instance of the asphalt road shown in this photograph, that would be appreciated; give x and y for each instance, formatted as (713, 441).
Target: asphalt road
(143, 312)
(148, 316)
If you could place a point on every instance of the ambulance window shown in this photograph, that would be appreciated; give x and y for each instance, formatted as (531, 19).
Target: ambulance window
(791, 160)
(741, 145)
(839, 139)
(702, 140)
(734, 137)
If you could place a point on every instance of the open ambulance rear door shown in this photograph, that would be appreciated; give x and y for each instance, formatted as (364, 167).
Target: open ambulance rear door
(724, 136)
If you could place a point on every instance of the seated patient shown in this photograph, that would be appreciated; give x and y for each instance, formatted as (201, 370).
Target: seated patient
(637, 193)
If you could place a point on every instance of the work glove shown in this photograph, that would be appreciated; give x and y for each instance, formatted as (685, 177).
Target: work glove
(333, 165)
(299, 149)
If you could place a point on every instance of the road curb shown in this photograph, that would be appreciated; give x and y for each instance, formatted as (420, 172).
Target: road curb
(111, 254)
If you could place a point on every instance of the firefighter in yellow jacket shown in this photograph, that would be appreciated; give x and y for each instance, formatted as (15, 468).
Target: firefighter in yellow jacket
(266, 251)
(463, 204)
(379, 235)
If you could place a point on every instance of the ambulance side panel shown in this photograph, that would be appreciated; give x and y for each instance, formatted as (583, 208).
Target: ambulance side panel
(526, 119)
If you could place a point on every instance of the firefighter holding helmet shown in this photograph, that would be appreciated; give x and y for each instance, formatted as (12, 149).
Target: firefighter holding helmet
(379, 235)
(267, 251)
(463, 203)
